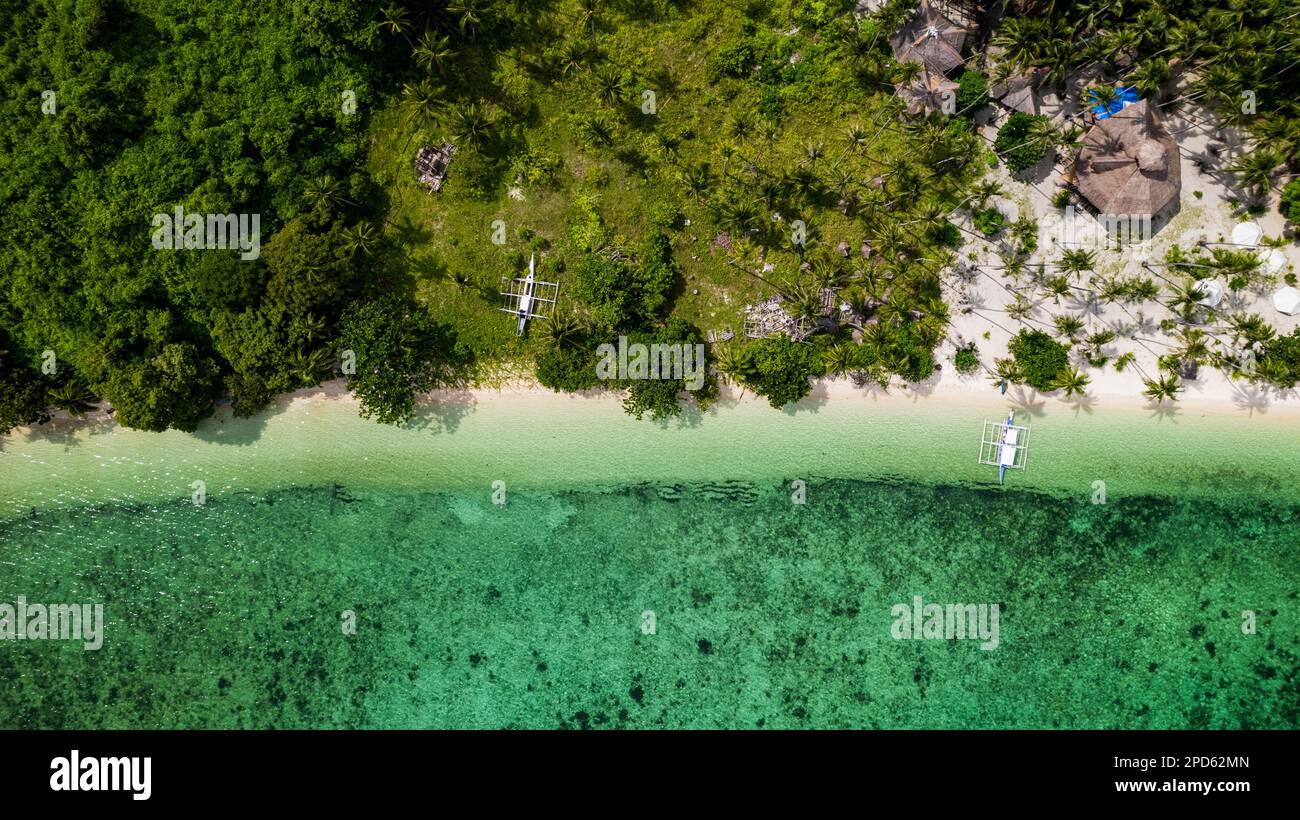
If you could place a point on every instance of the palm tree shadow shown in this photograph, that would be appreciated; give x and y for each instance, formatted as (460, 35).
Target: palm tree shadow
(1164, 410)
(429, 266)
(1082, 402)
(410, 234)
(1023, 401)
(1250, 398)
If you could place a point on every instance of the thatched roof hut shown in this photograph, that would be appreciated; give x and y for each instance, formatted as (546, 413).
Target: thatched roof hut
(1020, 91)
(931, 39)
(928, 92)
(1129, 164)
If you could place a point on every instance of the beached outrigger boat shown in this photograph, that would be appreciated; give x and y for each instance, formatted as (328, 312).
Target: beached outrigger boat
(529, 297)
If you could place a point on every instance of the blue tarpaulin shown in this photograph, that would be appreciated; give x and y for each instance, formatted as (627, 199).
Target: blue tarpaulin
(1126, 96)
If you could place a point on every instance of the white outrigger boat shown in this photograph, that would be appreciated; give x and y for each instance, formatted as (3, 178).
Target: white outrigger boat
(529, 297)
(1004, 445)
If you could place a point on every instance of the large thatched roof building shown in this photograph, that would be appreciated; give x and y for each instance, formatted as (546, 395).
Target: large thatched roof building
(1129, 164)
(931, 39)
(928, 92)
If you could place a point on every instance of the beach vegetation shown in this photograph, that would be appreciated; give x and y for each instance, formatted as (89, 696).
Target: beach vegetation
(1072, 382)
(24, 391)
(988, 221)
(966, 359)
(780, 369)
(1163, 388)
(972, 93)
(1019, 142)
(1040, 359)
(1289, 204)
(398, 351)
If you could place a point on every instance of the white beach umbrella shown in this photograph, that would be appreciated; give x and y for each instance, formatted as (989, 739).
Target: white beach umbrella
(1211, 292)
(1246, 233)
(1272, 260)
(1287, 300)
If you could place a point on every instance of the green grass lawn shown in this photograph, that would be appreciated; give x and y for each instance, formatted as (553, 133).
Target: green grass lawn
(757, 126)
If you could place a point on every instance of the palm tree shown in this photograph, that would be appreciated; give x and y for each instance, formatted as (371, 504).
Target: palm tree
(1150, 77)
(471, 124)
(1185, 299)
(1103, 94)
(1193, 347)
(325, 191)
(741, 126)
(984, 190)
(571, 57)
(423, 102)
(1068, 326)
(1044, 134)
(837, 360)
(1019, 308)
(312, 325)
(75, 397)
(1256, 169)
(855, 138)
(1165, 388)
(1021, 37)
(1006, 371)
(1250, 328)
(611, 86)
(1072, 382)
(360, 238)
(695, 179)
(309, 367)
(1276, 372)
(433, 50)
(469, 13)
(564, 330)
(597, 128)
(1096, 341)
(587, 10)
(1076, 261)
(396, 21)
(1058, 286)
(732, 362)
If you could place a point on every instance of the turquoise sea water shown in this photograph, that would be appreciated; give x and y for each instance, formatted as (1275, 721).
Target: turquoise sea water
(764, 612)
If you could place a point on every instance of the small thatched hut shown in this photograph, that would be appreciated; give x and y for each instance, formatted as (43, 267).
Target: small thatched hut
(928, 92)
(1020, 91)
(1129, 164)
(931, 39)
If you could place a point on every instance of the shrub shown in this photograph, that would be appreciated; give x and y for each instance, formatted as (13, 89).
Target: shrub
(567, 369)
(536, 166)
(1281, 361)
(989, 221)
(732, 59)
(1062, 198)
(1289, 207)
(23, 394)
(1013, 144)
(1039, 358)
(966, 359)
(972, 94)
